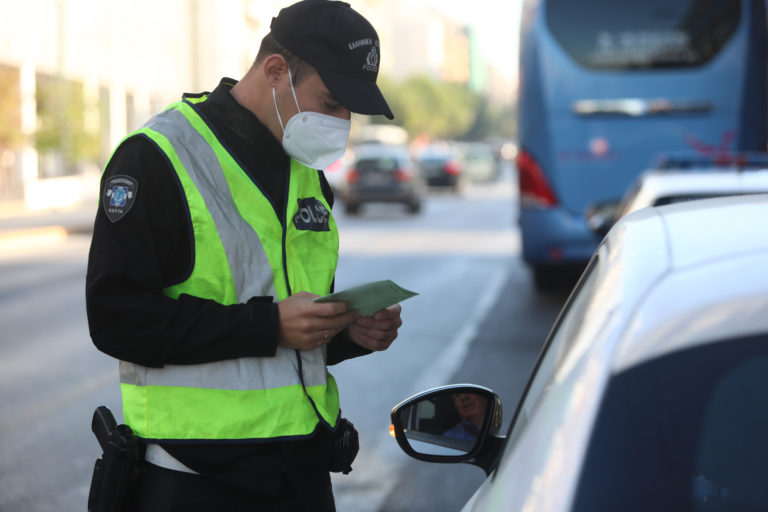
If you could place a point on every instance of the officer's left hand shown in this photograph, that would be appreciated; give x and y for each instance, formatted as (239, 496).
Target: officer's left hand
(377, 332)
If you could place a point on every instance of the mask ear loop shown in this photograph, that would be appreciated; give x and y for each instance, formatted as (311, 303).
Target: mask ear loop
(274, 100)
(277, 110)
(290, 80)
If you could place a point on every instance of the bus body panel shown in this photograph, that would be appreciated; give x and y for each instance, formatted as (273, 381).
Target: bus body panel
(582, 174)
(593, 157)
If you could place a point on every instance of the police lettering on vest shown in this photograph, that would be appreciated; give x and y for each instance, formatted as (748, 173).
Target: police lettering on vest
(312, 215)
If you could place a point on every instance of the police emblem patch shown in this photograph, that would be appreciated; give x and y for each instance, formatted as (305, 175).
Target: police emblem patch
(119, 195)
(312, 215)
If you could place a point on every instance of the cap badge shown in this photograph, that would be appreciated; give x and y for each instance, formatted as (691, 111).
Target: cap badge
(372, 60)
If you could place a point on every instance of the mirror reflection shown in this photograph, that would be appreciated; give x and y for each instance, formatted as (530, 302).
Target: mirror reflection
(448, 424)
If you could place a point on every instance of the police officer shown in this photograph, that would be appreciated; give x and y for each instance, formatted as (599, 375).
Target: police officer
(212, 238)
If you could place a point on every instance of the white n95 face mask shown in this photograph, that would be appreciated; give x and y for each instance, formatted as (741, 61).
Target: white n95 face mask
(314, 139)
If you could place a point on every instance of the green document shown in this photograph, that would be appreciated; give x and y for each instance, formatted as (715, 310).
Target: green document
(371, 297)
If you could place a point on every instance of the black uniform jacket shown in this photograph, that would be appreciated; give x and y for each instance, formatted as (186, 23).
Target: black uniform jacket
(150, 247)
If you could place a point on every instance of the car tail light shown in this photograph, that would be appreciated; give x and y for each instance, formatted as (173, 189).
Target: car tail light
(534, 188)
(353, 176)
(402, 175)
(453, 167)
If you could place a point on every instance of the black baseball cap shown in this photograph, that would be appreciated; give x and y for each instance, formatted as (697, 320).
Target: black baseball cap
(341, 45)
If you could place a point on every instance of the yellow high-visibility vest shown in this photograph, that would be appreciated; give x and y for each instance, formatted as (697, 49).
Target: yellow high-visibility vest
(241, 250)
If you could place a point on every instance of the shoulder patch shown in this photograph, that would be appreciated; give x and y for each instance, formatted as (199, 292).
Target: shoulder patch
(119, 196)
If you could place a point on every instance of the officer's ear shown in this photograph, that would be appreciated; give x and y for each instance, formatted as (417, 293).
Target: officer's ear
(275, 69)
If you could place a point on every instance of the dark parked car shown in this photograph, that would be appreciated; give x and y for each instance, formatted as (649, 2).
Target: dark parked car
(441, 167)
(382, 174)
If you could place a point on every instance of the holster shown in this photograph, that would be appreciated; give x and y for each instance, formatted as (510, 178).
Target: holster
(115, 474)
(344, 447)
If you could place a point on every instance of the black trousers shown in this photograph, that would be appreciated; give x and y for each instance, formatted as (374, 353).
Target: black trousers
(165, 490)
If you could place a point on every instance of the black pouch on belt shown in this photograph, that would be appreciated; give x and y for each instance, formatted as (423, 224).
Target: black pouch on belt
(116, 472)
(344, 447)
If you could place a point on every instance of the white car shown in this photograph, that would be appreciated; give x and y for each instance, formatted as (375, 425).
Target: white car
(676, 178)
(651, 392)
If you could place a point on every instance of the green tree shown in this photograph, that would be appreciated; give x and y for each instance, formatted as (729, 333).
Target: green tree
(423, 105)
(61, 123)
(442, 110)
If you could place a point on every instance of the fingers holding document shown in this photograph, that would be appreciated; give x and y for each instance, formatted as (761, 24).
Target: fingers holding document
(377, 332)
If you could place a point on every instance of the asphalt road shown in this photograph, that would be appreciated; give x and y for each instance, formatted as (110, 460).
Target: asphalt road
(476, 319)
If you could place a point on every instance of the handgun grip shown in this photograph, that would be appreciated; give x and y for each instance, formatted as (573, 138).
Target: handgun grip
(102, 425)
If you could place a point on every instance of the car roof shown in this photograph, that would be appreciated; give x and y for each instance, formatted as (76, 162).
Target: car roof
(697, 257)
(715, 229)
(365, 151)
(654, 185)
(437, 151)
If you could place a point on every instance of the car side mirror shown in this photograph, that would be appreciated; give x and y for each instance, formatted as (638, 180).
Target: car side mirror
(457, 423)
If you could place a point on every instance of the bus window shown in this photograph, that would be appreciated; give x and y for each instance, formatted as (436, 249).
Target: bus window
(649, 34)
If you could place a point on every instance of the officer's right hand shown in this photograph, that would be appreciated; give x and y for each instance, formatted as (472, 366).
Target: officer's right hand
(306, 325)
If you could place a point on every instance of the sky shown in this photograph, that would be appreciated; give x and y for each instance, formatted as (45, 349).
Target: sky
(495, 21)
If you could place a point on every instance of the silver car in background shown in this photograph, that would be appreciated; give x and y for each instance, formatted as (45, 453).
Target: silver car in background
(683, 177)
(650, 392)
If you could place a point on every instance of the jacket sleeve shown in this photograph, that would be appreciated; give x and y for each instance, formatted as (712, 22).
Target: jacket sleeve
(341, 348)
(149, 248)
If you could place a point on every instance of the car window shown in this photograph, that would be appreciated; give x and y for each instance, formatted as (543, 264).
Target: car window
(378, 165)
(686, 431)
(607, 34)
(436, 159)
(681, 198)
(555, 349)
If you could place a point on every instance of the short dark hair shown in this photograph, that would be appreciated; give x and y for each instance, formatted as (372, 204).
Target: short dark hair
(298, 66)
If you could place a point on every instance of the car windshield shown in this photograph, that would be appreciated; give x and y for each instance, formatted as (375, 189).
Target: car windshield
(648, 34)
(686, 431)
(377, 165)
(435, 159)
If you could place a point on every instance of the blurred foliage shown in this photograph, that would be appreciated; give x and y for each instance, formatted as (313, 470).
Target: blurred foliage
(11, 136)
(443, 110)
(61, 110)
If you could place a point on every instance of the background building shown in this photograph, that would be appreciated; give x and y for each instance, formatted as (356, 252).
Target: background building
(78, 75)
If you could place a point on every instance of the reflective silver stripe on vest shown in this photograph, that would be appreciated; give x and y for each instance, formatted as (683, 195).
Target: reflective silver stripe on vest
(245, 253)
(238, 374)
(252, 276)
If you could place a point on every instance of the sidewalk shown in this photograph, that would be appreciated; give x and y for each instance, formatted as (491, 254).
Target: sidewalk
(19, 225)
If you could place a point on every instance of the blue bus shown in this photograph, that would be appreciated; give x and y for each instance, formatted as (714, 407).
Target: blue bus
(606, 85)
